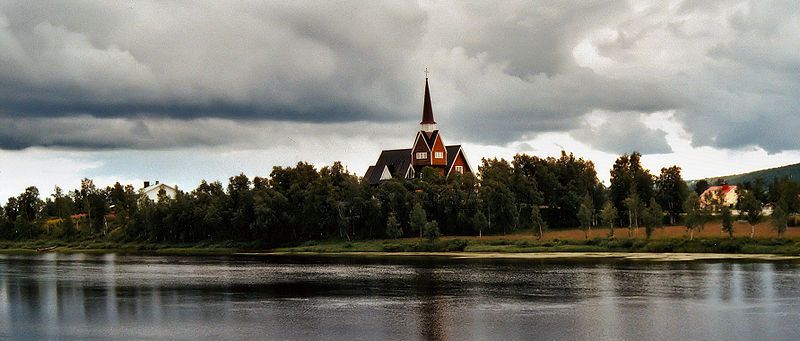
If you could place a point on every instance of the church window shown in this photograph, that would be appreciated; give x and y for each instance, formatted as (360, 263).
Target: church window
(460, 169)
(422, 155)
(438, 155)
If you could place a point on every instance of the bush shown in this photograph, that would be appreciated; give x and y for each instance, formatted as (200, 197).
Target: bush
(778, 241)
(729, 246)
(429, 246)
(116, 234)
(393, 247)
(625, 244)
(458, 245)
(432, 230)
(657, 246)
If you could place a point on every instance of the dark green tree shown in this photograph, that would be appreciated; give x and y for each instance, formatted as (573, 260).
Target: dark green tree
(628, 177)
(671, 192)
(779, 219)
(393, 229)
(701, 186)
(496, 196)
(29, 204)
(557, 185)
(480, 223)
(633, 207)
(696, 215)
(608, 217)
(750, 209)
(652, 217)
(585, 215)
(539, 225)
(418, 219)
(727, 220)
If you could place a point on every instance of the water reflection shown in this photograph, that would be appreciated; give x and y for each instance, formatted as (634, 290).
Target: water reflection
(118, 296)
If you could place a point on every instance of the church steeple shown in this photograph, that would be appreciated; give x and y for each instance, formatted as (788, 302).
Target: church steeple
(427, 124)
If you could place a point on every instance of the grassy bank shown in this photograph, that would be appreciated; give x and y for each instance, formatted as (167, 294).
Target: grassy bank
(103, 246)
(515, 244)
(668, 240)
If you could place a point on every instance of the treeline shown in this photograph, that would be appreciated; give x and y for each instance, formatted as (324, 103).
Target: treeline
(302, 203)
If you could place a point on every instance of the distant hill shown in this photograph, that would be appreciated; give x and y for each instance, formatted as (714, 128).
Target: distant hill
(790, 171)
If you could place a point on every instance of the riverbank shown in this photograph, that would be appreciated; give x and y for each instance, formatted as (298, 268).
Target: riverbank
(633, 256)
(100, 246)
(519, 243)
(513, 244)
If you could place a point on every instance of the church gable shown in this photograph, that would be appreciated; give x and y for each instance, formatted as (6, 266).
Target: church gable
(421, 152)
(386, 174)
(439, 152)
(457, 161)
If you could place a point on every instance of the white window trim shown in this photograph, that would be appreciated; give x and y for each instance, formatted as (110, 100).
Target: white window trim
(460, 169)
(422, 155)
(438, 155)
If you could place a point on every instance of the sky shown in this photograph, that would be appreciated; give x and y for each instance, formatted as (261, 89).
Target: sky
(179, 91)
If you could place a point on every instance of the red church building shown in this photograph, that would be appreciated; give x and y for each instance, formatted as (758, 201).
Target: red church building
(428, 150)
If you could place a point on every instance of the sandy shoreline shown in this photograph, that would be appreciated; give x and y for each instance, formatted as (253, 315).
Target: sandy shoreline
(645, 256)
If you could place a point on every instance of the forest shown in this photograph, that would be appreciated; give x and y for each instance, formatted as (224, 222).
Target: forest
(301, 203)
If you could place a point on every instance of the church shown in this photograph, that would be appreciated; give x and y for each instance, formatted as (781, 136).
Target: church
(428, 150)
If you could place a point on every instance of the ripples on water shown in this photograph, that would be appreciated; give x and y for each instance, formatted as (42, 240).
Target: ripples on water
(141, 297)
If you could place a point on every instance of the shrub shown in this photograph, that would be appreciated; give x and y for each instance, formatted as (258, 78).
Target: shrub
(729, 246)
(457, 245)
(432, 230)
(393, 247)
(659, 246)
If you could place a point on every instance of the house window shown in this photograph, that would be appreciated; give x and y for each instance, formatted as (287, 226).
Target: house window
(460, 169)
(438, 155)
(422, 155)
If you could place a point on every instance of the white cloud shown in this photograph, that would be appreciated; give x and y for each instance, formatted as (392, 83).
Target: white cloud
(42, 168)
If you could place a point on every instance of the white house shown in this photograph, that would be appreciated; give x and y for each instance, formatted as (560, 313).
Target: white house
(151, 191)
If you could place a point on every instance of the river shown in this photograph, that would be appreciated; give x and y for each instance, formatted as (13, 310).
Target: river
(114, 296)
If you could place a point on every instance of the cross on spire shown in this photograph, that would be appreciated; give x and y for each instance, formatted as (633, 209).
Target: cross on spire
(426, 72)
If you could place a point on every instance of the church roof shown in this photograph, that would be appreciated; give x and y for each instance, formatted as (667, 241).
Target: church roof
(368, 174)
(430, 137)
(427, 109)
(396, 160)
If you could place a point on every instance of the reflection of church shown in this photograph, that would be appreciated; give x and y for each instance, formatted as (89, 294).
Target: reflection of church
(428, 151)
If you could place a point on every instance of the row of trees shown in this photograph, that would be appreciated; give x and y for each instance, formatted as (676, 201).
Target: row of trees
(301, 203)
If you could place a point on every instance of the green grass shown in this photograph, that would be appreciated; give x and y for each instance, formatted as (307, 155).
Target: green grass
(682, 245)
(780, 246)
(108, 246)
(400, 245)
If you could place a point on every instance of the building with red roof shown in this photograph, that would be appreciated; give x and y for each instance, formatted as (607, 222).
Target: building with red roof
(720, 195)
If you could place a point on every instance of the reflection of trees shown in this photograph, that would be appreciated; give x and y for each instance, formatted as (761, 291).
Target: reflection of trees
(431, 321)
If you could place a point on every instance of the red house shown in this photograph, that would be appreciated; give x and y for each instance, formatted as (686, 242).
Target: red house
(428, 150)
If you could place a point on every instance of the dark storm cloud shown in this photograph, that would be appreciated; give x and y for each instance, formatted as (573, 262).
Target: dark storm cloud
(188, 60)
(501, 71)
(88, 132)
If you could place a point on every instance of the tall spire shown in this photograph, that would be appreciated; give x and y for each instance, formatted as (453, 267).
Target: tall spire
(428, 124)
